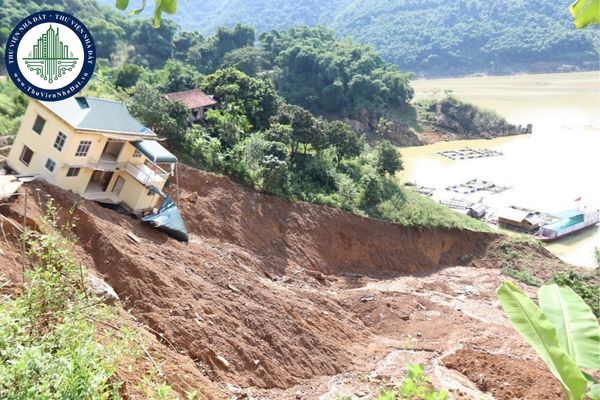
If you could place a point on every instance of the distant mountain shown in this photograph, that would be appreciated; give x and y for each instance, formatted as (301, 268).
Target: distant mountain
(429, 37)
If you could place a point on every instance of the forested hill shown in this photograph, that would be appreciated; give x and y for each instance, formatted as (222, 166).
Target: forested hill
(428, 37)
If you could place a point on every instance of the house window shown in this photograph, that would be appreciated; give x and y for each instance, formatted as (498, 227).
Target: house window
(50, 165)
(83, 148)
(26, 155)
(59, 142)
(73, 171)
(38, 125)
(136, 154)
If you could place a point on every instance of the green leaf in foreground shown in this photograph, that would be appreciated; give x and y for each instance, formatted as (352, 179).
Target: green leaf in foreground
(535, 327)
(139, 10)
(160, 6)
(577, 330)
(122, 4)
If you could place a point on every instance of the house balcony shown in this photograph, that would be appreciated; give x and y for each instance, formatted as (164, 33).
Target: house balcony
(102, 164)
(152, 175)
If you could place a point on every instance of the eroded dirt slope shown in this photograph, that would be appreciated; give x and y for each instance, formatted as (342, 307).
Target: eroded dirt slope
(285, 300)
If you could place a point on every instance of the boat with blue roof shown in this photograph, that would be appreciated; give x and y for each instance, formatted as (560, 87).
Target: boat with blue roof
(568, 222)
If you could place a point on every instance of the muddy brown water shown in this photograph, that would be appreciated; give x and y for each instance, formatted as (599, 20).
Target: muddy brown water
(546, 170)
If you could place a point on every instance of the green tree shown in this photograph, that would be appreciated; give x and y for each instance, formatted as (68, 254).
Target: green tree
(256, 98)
(306, 129)
(127, 75)
(372, 191)
(106, 36)
(229, 126)
(166, 118)
(325, 75)
(347, 143)
(185, 44)
(250, 60)
(153, 47)
(179, 77)
(274, 174)
(279, 133)
(204, 149)
(388, 158)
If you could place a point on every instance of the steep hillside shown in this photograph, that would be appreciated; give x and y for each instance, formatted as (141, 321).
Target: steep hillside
(291, 300)
(434, 37)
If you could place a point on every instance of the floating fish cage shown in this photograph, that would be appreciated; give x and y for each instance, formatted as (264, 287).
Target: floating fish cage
(476, 185)
(468, 153)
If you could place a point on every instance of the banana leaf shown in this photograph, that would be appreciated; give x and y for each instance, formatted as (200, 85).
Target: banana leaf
(537, 329)
(577, 330)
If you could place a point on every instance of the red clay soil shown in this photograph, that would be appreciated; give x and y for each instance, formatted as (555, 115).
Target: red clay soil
(320, 238)
(503, 376)
(278, 297)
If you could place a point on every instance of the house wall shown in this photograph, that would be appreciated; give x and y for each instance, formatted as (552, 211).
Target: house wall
(127, 155)
(43, 148)
(133, 194)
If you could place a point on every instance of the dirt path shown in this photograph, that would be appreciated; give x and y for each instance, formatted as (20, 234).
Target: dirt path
(444, 321)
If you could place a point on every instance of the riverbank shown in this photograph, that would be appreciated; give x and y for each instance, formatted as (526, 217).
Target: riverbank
(431, 120)
(546, 170)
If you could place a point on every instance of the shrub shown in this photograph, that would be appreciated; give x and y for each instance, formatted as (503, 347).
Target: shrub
(586, 286)
(416, 386)
(274, 174)
(49, 347)
(127, 75)
(372, 191)
(388, 159)
(524, 276)
(204, 149)
(12, 107)
(562, 330)
(51, 343)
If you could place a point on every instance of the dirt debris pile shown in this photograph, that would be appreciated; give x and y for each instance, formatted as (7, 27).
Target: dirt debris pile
(267, 294)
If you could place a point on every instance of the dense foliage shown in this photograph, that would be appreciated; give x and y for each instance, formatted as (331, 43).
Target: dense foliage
(116, 36)
(562, 330)
(321, 73)
(269, 129)
(435, 37)
(586, 286)
(12, 107)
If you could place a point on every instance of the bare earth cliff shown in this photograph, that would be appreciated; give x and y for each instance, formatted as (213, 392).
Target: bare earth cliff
(280, 300)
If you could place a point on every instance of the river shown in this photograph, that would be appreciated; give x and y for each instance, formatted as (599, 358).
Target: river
(546, 170)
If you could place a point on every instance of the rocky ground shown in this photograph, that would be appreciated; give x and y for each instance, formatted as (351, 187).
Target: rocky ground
(278, 300)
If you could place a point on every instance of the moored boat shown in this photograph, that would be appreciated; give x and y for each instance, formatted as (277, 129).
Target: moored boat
(568, 223)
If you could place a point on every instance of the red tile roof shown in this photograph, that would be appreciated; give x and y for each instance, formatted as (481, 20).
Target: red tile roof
(194, 98)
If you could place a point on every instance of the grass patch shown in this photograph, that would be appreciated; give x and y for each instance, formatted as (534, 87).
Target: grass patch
(512, 263)
(524, 276)
(421, 211)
